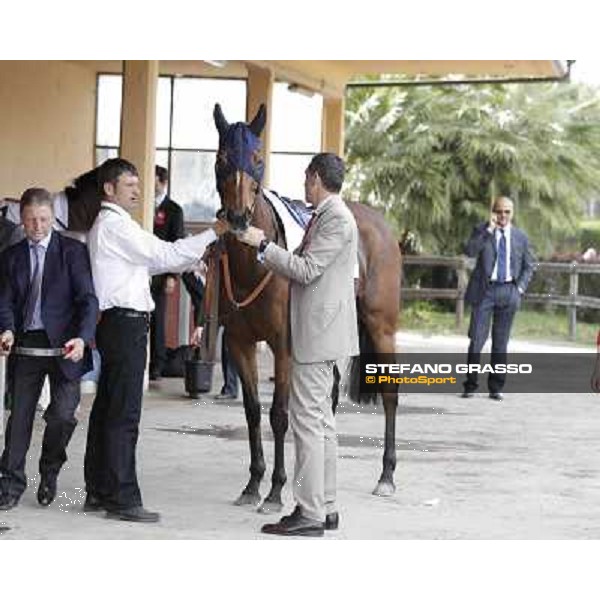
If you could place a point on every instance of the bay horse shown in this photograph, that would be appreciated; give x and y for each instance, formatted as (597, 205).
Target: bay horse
(253, 302)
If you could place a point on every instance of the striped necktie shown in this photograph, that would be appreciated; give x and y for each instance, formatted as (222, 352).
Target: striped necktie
(35, 288)
(307, 234)
(501, 275)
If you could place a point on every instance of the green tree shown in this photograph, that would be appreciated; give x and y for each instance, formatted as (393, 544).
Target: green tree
(433, 157)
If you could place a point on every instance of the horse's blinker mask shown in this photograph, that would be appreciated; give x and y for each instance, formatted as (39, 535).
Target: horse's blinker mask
(239, 167)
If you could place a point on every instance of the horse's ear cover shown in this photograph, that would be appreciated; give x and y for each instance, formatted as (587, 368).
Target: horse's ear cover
(259, 121)
(220, 120)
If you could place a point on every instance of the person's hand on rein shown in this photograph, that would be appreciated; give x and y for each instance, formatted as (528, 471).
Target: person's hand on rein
(252, 236)
(221, 226)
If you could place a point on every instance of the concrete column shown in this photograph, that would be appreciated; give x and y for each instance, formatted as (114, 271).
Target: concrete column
(138, 144)
(138, 135)
(260, 91)
(332, 126)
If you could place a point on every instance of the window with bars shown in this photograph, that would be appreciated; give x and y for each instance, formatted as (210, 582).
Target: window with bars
(295, 138)
(186, 136)
(187, 139)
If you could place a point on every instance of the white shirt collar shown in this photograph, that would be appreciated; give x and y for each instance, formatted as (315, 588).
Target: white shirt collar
(43, 242)
(115, 208)
(159, 199)
(506, 229)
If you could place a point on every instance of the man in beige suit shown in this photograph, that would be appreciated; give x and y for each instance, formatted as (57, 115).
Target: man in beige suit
(323, 333)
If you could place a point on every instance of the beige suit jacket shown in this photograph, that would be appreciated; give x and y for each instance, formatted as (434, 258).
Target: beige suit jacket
(322, 305)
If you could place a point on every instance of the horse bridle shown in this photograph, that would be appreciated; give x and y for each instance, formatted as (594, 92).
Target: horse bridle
(262, 284)
(248, 213)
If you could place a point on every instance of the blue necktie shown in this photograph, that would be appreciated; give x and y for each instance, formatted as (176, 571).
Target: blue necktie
(35, 288)
(501, 275)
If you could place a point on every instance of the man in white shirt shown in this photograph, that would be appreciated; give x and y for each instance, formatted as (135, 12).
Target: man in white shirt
(123, 257)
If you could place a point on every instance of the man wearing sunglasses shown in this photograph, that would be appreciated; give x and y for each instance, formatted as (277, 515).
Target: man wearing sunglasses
(503, 269)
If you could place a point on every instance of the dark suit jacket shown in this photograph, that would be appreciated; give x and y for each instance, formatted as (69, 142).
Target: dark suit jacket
(168, 226)
(69, 306)
(482, 246)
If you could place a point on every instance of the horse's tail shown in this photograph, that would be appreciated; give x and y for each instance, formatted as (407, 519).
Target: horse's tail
(354, 377)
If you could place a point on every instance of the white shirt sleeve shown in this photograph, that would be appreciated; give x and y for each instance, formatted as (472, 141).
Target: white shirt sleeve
(135, 245)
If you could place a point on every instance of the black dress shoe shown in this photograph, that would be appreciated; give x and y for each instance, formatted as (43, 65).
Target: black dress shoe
(47, 491)
(467, 394)
(137, 514)
(498, 396)
(8, 502)
(332, 521)
(297, 512)
(295, 524)
(93, 504)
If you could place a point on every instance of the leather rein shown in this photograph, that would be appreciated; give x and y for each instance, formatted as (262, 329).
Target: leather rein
(262, 284)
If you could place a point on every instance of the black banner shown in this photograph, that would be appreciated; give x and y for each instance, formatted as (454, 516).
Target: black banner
(445, 373)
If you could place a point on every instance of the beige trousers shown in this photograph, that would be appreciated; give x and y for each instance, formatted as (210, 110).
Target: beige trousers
(313, 427)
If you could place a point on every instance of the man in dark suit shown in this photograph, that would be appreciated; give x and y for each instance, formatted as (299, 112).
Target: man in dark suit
(48, 312)
(502, 273)
(168, 226)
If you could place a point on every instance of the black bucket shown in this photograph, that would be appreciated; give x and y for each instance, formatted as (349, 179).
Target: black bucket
(198, 375)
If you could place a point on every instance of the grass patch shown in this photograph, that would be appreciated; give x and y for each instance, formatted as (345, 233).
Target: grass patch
(529, 324)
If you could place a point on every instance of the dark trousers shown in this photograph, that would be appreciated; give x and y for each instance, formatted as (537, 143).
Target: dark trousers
(158, 350)
(195, 288)
(110, 465)
(230, 373)
(27, 374)
(498, 308)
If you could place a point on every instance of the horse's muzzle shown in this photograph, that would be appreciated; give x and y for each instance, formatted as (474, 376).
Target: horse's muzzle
(239, 221)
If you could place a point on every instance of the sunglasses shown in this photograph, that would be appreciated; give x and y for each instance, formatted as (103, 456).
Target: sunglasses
(502, 212)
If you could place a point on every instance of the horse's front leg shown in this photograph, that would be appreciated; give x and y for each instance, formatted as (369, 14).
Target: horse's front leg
(278, 417)
(244, 356)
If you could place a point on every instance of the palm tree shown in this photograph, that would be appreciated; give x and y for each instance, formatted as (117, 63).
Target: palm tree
(432, 157)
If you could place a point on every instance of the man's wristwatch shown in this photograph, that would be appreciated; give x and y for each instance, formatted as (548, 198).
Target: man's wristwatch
(263, 245)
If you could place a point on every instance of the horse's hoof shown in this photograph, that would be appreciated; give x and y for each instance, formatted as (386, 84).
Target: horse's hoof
(248, 499)
(269, 508)
(384, 489)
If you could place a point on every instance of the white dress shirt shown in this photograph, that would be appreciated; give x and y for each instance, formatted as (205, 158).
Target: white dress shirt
(124, 256)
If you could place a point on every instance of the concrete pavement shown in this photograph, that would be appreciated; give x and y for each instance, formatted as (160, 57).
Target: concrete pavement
(467, 468)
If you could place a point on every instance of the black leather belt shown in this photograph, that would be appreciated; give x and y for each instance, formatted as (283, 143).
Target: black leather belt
(127, 312)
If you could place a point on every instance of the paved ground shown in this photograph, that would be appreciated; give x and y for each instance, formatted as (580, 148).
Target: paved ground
(467, 468)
